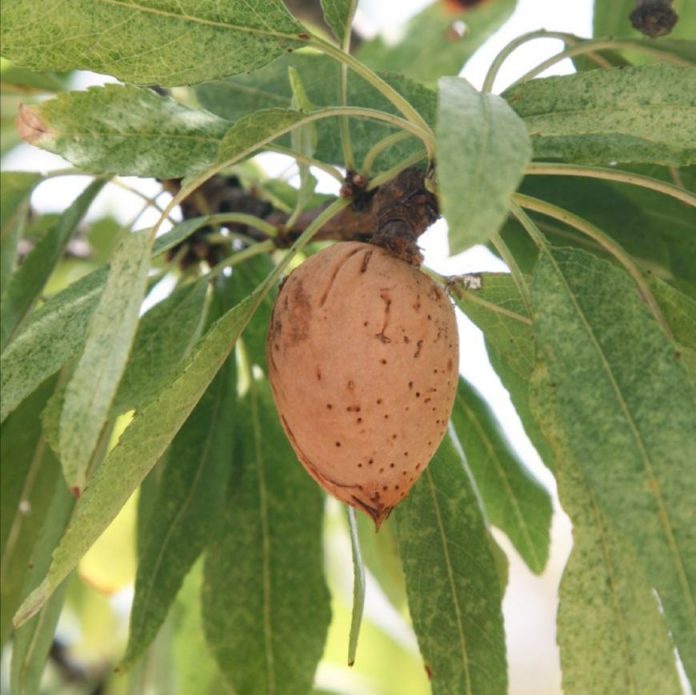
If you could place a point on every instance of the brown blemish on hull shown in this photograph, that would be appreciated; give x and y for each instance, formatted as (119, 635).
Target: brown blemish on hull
(366, 261)
(300, 313)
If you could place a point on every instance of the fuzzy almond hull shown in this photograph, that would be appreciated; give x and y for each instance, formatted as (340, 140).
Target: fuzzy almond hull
(363, 361)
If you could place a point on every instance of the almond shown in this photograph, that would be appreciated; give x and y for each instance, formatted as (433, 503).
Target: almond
(363, 362)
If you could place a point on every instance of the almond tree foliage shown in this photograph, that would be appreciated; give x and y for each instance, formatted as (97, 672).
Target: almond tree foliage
(583, 184)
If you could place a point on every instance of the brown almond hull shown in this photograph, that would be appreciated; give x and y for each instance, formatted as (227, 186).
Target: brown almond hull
(363, 362)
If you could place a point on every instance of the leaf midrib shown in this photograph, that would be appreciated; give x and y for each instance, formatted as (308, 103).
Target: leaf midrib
(450, 577)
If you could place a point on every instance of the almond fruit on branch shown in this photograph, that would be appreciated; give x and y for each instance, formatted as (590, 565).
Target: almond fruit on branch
(363, 362)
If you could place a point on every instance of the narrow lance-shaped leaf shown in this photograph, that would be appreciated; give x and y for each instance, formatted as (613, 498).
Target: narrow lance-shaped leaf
(32, 642)
(513, 500)
(500, 312)
(119, 129)
(184, 511)
(303, 140)
(53, 334)
(632, 114)
(482, 150)
(611, 632)
(498, 309)
(140, 447)
(16, 188)
(454, 592)
(165, 335)
(338, 15)
(170, 42)
(264, 591)
(358, 586)
(628, 413)
(30, 475)
(110, 334)
(245, 277)
(25, 285)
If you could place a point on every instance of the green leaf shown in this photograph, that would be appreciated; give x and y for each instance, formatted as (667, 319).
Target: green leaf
(454, 592)
(164, 337)
(632, 114)
(513, 500)
(499, 311)
(103, 237)
(14, 207)
(252, 131)
(628, 412)
(140, 447)
(53, 334)
(31, 646)
(189, 499)
(30, 474)
(482, 150)
(612, 635)
(27, 282)
(16, 80)
(32, 641)
(246, 277)
(93, 385)
(679, 310)
(119, 129)
(269, 88)
(179, 233)
(264, 591)
(196, 670)
(611, 19)
(17, 186)
(338, 15)
(164, 42)
(655, 229)
(438, 40)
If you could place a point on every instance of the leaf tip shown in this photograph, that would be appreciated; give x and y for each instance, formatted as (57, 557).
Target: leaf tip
(31, 605)
(31, 126)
